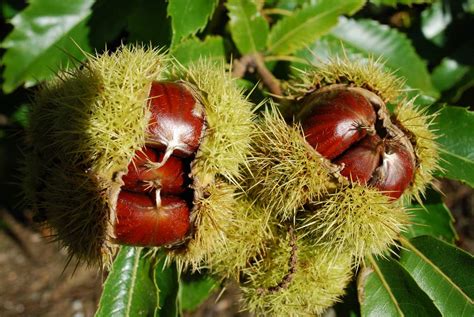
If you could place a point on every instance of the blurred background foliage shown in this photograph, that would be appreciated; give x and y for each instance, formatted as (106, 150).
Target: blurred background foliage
(429, 43)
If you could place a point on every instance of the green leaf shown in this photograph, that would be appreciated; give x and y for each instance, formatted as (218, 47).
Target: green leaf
(456, 143)
(105, 26)
(248, 28)
(192, 49)
(371, 38)
(46, 36)
(189, 16)
(142, 23)
(433, 218)
(302, 28)
(435, 19)
(167, 285)
(194, 290)
(129, 290)
(393, 3)
(386, 289)
(448, 73)
(363, 39)
(443, 271)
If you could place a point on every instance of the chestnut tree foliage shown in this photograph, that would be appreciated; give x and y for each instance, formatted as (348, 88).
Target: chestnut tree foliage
(426, 42)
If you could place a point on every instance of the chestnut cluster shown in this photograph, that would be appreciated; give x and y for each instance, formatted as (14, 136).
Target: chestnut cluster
(153, 206)
(352, 128)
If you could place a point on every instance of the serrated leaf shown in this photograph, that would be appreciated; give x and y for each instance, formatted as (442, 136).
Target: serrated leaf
(386, 289)
(456, 143)
(248, 28)
(46, 36)
(192, 49)
(142, 26)
(167, 284)
(433, 218)
(370, 39)
(129, 290)
(443, 271)
(189, 16)
(194, 290)
(306, 25)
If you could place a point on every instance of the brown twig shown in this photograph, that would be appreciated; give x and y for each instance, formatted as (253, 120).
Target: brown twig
(292, 261)
(254, 62)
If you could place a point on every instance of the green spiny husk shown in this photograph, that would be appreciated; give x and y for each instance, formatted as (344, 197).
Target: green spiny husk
(369, 74)
(354, 219)
(317, 282)
(85, 126)
(88, 123)
(285, 172)
(247, 234)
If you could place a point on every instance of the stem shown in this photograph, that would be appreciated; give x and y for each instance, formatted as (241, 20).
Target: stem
(255, 62)
(292, 261)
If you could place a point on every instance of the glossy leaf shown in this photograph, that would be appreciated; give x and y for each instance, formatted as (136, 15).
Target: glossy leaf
(363, 39)
(142, 23)
(433, 218)
(248, 28)
(194, 290)
(448, 73)
(443, 271)
(189, 16)
(306, 25)
(456, 143)
(393, 3)
(48, 34)
(192, 49)
(129, 290)
(435, 19)
(386, 289)
(167, 284)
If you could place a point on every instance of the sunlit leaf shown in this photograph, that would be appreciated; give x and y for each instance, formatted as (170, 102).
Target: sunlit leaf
(306, 25)
(443, 271)
(47, 35)
(386, 289)
(129, 290)
(249, 29)
(189, 16)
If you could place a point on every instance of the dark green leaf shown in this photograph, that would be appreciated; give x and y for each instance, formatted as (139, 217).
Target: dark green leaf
(148, 23)
(195, 289)
(386, 289)
(129, 290)
(105, 26)
(448, 73)
(302, 28)
(20, 116)
(393, 3)
(443, 271)
(46, 36)
(249, 29)
(363, 39)
(192, 49)
(189, 16)
(455, 74)
(434, 21)
(167, 283)
(433, 218)
(456, 143)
